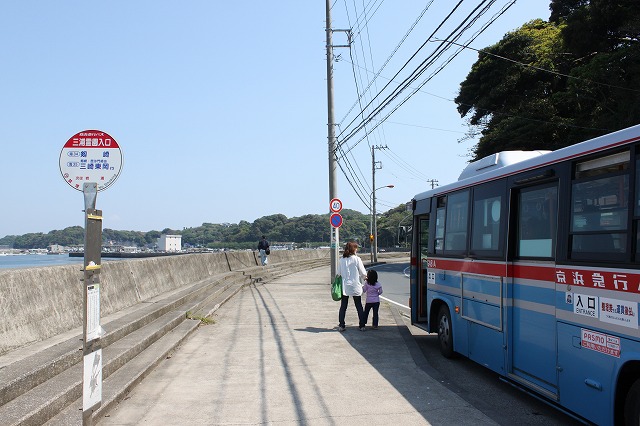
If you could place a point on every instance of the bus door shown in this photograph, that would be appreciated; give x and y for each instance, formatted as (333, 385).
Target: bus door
(419, 250)
(531, 291)
(419, 288)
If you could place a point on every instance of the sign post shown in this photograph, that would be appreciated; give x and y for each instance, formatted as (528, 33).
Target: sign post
(92, 347)
(335, 205)
(91, 161)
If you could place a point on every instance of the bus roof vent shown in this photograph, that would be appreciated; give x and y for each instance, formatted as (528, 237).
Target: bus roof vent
(497, 161)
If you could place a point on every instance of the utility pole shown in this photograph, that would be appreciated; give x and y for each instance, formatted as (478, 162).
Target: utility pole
(374, 223)
(433, 182)
(333, 186)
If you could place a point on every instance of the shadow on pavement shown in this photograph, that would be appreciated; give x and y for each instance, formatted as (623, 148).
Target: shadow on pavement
(478, 386)
(316, 330)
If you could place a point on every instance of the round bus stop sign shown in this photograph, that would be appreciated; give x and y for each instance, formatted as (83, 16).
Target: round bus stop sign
(90, 156)
(336, 220)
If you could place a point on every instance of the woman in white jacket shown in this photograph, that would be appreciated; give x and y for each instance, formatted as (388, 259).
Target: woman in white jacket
(352, 270)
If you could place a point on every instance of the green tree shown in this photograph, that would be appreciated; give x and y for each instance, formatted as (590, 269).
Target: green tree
(8, 240)
(552, 84)
(508, 102)
(602, 38)
(151, 237)
(73, 235)
(309, 230)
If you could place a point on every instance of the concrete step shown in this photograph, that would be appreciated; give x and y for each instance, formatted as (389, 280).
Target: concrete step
(117, 385)
(47, 385)
(45, 400)
(212, 304)
(20, 377)
(270, 272)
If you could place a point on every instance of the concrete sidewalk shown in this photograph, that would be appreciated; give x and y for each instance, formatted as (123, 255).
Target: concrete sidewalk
(274, 356)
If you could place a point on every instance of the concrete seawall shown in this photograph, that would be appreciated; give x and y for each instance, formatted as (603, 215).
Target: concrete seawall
(39, 303)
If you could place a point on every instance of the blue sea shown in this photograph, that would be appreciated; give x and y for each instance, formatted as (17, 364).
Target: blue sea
(35, 260)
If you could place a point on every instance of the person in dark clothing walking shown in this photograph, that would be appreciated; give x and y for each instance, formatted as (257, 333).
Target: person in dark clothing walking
(263, 248)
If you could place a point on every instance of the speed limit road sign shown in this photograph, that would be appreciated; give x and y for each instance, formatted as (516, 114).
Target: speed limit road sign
(335, 205)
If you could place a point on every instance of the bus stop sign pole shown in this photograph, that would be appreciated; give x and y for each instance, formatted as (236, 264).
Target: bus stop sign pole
(92, 331)
(91, 161)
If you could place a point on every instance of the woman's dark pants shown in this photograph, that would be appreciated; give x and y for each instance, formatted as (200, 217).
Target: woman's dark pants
(343, 310)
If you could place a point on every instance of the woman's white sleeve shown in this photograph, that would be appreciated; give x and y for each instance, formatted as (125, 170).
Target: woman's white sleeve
(363, 271)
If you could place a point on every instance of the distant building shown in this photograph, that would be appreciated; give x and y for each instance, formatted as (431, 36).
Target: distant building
(283, 246)
(56, 248)
(170, 242)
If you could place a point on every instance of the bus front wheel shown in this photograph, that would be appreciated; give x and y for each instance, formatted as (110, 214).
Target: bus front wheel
(445, 333)
(632, 405)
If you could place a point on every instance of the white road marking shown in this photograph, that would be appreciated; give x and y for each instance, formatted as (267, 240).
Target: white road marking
(395, 303)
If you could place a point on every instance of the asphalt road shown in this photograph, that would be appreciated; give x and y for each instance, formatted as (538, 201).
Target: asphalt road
(394, 283)
(478, 385)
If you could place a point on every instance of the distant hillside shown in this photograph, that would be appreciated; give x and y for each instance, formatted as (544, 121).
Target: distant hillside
(312, 230)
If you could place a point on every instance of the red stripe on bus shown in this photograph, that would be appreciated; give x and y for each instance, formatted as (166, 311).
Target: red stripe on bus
(623, 280)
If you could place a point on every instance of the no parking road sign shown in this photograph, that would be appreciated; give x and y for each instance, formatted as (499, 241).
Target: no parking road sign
(336, 220)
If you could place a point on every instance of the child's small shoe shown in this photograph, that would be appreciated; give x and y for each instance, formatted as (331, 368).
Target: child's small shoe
(341, 328)
(361, 328)
(375, 327)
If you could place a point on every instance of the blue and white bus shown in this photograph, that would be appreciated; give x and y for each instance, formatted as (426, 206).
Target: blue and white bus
(529, 264)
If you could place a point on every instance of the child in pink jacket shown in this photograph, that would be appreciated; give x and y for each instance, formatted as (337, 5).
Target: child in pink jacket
(373, 289)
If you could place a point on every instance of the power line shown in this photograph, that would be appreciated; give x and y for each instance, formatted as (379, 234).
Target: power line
(355, 78)
(423, 66)
(423, 127)
(538, 68)
(405, 166)
(407, 62)
(395, 50)
(364, 13)
(360, 96)
(421, 70)
(351, 182)
(489, 111)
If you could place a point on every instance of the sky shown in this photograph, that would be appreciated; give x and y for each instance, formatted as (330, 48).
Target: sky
(220, 108)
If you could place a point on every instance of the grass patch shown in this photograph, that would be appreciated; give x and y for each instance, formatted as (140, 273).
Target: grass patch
(203, 320)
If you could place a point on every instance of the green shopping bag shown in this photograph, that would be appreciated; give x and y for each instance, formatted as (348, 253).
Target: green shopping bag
(336, 288)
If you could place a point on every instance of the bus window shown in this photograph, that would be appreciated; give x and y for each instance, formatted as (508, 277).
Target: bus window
(424, 238)
(637, 210)
(486, 223)
(537, 209)
(455, 238)
(487, 219)
(439, 237)
(599, 208)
